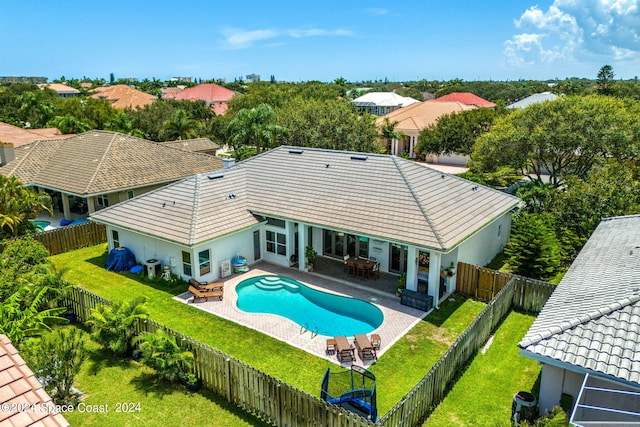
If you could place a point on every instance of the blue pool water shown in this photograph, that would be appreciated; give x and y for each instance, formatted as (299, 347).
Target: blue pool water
(332, 314)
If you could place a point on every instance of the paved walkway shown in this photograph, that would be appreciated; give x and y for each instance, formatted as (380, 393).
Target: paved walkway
(398, 319)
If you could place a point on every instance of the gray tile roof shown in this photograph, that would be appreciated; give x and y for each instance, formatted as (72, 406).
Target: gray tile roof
(592, 320)
(194, 145)
(98, 162)
(533, 99)
(382, 196)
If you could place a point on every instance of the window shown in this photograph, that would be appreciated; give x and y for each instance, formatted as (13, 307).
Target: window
(102, 201)
(186, 263)
(276, 243)
(204, 261)
(130, 194)
(115, 237)
(276, 222)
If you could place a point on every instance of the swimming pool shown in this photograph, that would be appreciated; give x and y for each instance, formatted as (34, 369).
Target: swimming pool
(331, 314)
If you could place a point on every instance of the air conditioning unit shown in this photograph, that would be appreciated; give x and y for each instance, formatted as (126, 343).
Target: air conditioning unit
(153, 268)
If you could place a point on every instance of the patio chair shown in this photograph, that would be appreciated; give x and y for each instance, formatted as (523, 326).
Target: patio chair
(206, 286)
(205, 294)
(375, 271)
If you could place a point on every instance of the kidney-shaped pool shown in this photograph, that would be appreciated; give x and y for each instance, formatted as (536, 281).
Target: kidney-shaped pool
(331, 314)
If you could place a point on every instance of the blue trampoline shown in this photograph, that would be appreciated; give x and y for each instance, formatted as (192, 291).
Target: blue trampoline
(353, 390)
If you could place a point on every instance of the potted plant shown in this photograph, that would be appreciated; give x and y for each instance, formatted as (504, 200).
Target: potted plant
(310, 255)
(449, 271)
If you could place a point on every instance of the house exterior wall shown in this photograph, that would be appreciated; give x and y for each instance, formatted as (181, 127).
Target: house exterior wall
(480, 248)
(448, 159)
(553, 382)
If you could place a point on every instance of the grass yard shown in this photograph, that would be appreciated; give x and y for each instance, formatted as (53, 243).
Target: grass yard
(397, 371)
(483, 395)
(122, 384)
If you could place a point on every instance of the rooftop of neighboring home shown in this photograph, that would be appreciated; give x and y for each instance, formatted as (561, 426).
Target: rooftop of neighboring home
(98, 162)
(354, 192)
(214, 95)
(466, 98)
(198, 145)
(123, 96)
(533, 99)
(61, 89)
(20, 136)
(592, 320)
(422, 114)
(383, 99)
(19, 386)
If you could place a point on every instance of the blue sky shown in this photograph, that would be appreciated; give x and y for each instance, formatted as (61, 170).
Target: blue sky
(312, 40)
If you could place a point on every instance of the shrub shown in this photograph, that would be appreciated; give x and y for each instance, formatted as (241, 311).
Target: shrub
(161, 352)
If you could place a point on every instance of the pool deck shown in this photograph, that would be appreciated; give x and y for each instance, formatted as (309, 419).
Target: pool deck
(398, 319)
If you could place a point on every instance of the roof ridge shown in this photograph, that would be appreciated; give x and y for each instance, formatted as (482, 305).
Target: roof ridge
(584, 318)
(417, 200)
(196, 205)
(100, 163)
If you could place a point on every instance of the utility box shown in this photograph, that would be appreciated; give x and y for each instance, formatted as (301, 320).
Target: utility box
(152, 268)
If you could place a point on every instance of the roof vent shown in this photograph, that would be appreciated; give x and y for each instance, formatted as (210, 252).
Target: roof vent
(296, 151)
(215, 176)
(359, 158)
(231, 196)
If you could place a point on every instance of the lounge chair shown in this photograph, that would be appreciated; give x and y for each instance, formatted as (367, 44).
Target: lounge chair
(205, 294)
(206, 286)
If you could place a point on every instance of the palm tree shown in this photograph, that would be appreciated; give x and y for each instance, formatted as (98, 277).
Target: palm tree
(181, 127)
(255, 127)
(112, 326)
(388, 132)
(161, 352)
(18, 205)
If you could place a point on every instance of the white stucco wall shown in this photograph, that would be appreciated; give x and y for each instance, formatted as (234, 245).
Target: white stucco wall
(483, 246)
(553, 382)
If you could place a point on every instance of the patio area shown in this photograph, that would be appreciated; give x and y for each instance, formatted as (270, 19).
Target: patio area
(398, 319)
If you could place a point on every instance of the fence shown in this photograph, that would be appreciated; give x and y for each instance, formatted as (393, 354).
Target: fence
(69, 238)
(275, 402)
(480, 282)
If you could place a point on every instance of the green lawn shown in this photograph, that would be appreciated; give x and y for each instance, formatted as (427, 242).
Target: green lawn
(483, 395)
(397, 371)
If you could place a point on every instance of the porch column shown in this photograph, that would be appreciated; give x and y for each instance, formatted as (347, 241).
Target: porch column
(412, 144)
(302, 244)
(412, 268)
(66, 210)
(433, 288)
(394, 147)
(91, 204)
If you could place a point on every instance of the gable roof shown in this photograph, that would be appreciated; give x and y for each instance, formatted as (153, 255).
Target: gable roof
(467, 98)
(383, 99)
(533, 99)
(98, 162)
(123, 96)
(592, 320)
(19, 386)
(214, 95)
(19, 136)
(193, 145)
(422, 114)
(372, 194)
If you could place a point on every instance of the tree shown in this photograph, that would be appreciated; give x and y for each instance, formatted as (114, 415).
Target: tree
(36, 107)
(57, 358)
(533, 250)
(255, 127)
(18, 205)
(112, 326)
(161, 352)
(456, 132)
(68, 124)
(181, 127)
(388, 132)
(567, 136)
(605, 80)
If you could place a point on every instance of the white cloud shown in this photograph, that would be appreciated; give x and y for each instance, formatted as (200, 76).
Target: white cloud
(236, 38)
(576, 30)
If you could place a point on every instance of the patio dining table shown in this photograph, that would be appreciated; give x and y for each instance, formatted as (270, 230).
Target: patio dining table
(364, 265)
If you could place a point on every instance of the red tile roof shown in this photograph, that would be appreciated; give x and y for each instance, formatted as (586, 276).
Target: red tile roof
(466, 98)
(214, 95)
(123, 96)
(19, 136)
(20, 388)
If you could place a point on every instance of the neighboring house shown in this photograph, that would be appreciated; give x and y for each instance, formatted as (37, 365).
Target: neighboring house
(414, 118)
(533, 99)
(18, 136)
(381, 103)
(96, 169)
(215, 96)
(22, 398)
(123, 96)
(466, 98)
(272, 206)
(587, 336)
(62, 90)
(196, 145)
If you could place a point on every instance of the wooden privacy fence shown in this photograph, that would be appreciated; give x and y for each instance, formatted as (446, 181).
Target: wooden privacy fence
(273, 401)
(414, 408)
(68, 238)
(480, 282)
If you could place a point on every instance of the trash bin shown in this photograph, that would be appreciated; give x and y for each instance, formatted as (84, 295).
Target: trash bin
(523, 408)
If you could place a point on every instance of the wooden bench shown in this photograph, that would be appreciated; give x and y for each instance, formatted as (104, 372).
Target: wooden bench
(213, 286)
(205, 294)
